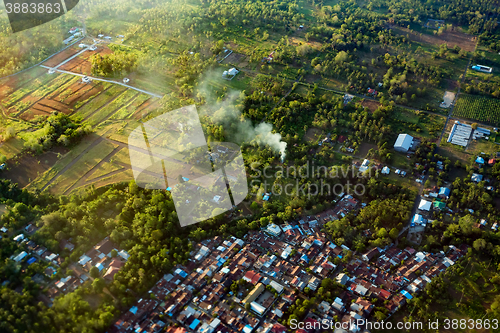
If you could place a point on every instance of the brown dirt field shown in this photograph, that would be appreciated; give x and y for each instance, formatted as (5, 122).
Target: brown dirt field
(77, 65)
(58, 58)
(81, 64)
(145, 108)
(8, 85)
(235, 58)
(371, 105)
(31, 113)
(85, 94)
(26, 168)
(451, 85)
(78, 89)
(451, 38)
(311, 134)
(53, 104)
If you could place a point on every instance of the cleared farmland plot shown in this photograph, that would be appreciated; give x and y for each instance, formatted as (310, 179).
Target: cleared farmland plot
(480, 108)
(114, 106)
(130, 109)
(92, 106)
(86, 162)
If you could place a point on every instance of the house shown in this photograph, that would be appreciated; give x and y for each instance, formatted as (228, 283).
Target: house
(417, 219)
(444, 192)
(439, 205)
(20, 256)
(479, 160)
(342, 278)
(273, 229)
(424, 205)
(491, 161)
(19, 238)
(386, 170)
(252, 296)
(483, 69)
(252, 277)
(364, 165)
(370, 254)
(476, 177)
(403, 143)
(230, 74)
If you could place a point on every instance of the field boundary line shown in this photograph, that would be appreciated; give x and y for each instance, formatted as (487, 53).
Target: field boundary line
(106, 80)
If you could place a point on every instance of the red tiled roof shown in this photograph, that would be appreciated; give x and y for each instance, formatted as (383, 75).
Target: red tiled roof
(278, 328)
(253, 277)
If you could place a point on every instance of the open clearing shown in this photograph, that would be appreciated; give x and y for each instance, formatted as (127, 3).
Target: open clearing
(28, 167)
(451, 38)
(448, 98)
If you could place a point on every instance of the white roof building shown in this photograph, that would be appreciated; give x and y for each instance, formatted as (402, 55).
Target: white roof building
(386, 170)
(274, 229)
(425, 205)
(278, 287)
(257, 308)
(19, 237)
(20, 256)
(476, 177)
(403, 143)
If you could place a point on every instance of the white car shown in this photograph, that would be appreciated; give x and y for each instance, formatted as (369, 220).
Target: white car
(86, 79)
(93, 48)
(126, 80)
(52, 71)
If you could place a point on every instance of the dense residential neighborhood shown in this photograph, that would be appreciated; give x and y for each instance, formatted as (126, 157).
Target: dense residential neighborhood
(248, 285)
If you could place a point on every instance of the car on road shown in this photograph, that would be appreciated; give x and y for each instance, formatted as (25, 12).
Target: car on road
(86, 79)
(126, 80)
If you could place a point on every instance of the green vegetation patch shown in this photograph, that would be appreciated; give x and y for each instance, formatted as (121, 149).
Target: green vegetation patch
(480, 108)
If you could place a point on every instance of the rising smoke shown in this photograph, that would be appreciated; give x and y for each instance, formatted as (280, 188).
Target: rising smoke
(227, 112)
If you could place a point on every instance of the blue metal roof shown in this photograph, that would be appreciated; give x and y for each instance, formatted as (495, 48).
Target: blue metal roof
(444, 191)
(31, 260)
(194, 324)
(406, 294)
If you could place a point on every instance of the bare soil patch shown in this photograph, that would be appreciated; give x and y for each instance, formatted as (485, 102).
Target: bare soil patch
(60, 57)
(26, 167)
(234, 58)
(451, 38)
(371, 105)
(311, 134)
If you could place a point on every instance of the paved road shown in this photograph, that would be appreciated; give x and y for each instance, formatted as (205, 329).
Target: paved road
(106, 80)
(73, 56)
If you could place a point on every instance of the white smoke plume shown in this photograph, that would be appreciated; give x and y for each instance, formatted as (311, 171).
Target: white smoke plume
(228, 114)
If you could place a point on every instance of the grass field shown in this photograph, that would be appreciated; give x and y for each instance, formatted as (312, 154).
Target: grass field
(41, 181)
(417, 124)
(12, 147)
(86, 162)
(480, 108)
